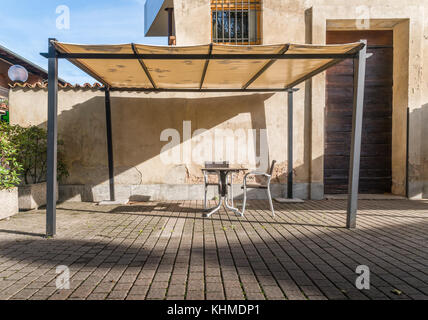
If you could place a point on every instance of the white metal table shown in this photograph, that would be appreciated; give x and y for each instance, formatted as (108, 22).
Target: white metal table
(222, 173)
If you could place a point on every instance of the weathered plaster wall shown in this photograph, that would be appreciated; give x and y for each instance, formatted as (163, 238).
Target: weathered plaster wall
(81, 122)
(400, 104)
(424, 103)
(138, 122)
(192, 22)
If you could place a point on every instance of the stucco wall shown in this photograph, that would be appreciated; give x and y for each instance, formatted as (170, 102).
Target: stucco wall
(424, 103)
(139, 119)
(192, 22)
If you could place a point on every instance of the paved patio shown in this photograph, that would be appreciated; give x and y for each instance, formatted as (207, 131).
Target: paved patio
(168, 251)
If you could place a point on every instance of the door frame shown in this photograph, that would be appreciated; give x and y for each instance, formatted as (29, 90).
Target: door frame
(407, 24)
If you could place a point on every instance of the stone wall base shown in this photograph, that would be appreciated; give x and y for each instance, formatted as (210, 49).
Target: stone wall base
(33, 196)
(168, 192)
(8, 203)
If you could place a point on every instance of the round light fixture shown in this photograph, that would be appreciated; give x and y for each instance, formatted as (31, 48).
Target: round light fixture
(18, 73)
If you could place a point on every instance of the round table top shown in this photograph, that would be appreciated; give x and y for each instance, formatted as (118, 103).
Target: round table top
(224, 169)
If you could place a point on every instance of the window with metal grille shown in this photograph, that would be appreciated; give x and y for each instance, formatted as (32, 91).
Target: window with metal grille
(236, 21)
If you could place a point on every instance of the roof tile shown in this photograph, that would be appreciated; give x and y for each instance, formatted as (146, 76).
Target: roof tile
(40, 85)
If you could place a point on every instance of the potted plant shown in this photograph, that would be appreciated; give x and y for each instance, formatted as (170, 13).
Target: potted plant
(31, 145)
(4, 110)
(9, 177)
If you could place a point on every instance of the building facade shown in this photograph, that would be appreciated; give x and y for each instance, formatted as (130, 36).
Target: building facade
(155, 135)
(397, 77)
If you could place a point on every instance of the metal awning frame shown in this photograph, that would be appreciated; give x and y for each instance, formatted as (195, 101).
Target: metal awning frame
(358, 54)
(209, 56)
(190, 56)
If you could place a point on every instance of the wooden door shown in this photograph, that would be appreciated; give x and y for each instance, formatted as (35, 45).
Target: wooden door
(375, 170)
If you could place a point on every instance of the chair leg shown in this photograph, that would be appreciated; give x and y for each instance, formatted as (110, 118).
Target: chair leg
(205, 197)
(244, 202)
(219, 194)
(270, 201)
(231, 189)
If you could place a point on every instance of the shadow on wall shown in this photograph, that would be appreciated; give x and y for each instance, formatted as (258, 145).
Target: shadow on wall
(137, 124)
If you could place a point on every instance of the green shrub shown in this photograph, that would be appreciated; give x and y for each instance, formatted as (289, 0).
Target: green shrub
(31, 146)
(9, 166)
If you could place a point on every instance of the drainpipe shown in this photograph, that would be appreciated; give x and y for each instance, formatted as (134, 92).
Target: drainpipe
(171, 37)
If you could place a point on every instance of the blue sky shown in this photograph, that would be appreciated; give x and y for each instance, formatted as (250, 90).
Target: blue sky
(27, 25)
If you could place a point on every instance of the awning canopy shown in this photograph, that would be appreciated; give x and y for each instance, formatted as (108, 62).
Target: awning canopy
(211, 67)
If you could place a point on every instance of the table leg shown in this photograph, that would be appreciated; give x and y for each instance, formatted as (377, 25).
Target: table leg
(215, 209)
(236, 210)
(230, 207)
(223, 195)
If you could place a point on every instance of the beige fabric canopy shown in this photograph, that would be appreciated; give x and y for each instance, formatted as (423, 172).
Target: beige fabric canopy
(197, 67)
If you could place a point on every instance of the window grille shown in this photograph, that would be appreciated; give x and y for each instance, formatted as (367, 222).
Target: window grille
(236, 21)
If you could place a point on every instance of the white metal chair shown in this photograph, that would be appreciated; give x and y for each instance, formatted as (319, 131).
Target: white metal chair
(265, 186)
(223, 164)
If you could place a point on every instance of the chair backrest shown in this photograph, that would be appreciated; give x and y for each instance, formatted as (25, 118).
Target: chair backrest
(270, 172)
(218, 164)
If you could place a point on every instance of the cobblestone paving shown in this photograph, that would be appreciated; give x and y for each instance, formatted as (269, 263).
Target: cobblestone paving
(168, 251)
